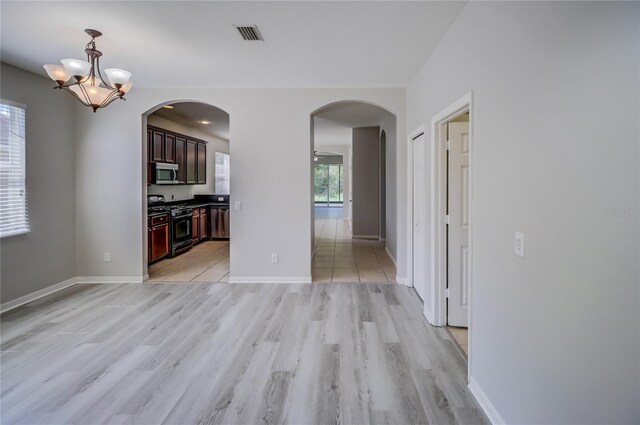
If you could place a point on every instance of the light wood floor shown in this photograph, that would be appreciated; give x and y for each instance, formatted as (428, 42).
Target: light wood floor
(338, 258)
(223, 353)
(206, 262)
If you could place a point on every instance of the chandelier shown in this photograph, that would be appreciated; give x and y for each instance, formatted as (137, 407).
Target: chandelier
(85, 82)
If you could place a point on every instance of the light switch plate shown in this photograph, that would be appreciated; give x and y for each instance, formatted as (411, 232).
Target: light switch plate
(238, 205)
(518, 247)
(274, 257)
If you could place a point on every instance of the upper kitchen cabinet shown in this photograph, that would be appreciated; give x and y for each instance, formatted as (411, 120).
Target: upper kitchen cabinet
(191, 162)
(202, 163)
(181, 146)
(170, 147)
(157, 146)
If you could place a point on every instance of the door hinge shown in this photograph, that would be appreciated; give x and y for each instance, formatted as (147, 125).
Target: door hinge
(446, 293)
(446, 219)
(447, 145)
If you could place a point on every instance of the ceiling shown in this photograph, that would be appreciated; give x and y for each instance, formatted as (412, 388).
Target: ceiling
(194, 44)
(189, 113)
(332, 125)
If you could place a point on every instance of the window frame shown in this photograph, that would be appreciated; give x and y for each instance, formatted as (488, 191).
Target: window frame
(215, 172)
(25, 226)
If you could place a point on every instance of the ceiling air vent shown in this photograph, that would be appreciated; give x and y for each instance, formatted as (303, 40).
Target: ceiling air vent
(249, 33)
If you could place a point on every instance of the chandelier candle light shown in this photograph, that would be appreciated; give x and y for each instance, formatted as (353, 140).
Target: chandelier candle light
(84, 80)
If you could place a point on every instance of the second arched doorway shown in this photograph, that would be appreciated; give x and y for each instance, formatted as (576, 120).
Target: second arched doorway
(350, 178)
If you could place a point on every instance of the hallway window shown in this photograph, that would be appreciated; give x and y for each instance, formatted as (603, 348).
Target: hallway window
(223, 174)
(328, 184)
(14, 219)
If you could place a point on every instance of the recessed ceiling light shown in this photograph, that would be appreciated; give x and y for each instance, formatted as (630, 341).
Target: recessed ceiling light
(168, 107)
(204, 122)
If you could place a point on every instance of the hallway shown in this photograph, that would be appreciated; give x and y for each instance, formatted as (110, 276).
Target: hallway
(338, 258)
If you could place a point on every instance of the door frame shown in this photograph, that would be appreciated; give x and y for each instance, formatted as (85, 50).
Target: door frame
(438, 210)
(412, 136)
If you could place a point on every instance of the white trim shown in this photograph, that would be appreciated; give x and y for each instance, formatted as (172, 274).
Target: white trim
(427, 314)
(438, 226)
(14, 104)
(110, 279)
(15, 232)
(270, 279)
(409, 211)
(438, 204)
(145, 277)
(365, 237)
(403, 281)
(10, 305)
(386, 249)
(484, 403)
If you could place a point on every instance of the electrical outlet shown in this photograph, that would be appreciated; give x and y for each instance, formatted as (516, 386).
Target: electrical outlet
(107, 257)
(518, 247)
(238, 205)
(274, 257)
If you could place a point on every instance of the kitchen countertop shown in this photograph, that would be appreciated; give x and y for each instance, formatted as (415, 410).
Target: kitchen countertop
(192, 205)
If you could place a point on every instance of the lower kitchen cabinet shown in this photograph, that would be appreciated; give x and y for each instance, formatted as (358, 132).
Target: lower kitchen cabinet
(199, 224)
(158, 233)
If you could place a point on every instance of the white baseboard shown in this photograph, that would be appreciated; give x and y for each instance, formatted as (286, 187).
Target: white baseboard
(110, 279)
(403, 281)
(269, 279)
(386, 249)
(427, 314)
(485, 404)
(145, 277)
(10, 305)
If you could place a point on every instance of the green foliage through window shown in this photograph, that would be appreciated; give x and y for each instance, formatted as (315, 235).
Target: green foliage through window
(328, 183)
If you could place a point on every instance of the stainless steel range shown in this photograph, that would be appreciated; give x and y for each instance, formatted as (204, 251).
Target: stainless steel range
(180, 224)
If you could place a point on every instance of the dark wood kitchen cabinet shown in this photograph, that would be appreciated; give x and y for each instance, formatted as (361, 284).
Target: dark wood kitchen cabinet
(202, 163)
(169, 148)
(195, 227)
(203, 223)
(157, 146)
(149, 156)
(181, 146)
(199, 224)
(158, 233)
(190, 154)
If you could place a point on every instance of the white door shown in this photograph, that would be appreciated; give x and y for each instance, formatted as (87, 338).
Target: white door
(458, 227)
(419, 224)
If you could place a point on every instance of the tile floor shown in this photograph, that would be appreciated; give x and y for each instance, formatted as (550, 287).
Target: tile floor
(338, 258)
(206, 262)
(461, 335)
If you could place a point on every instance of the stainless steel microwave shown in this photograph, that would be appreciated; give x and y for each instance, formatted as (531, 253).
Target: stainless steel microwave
(164, 173)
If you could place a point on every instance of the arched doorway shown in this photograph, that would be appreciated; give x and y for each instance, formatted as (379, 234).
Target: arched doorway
(186, 165)
(351, 248)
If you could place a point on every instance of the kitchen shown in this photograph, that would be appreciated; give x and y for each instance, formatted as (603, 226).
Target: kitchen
(188, 190)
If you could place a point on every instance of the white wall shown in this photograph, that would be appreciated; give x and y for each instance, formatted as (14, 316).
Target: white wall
(46, 255)
(366, 182)
(556, 145)
(215, 144)
(392, 207)
(265, 125)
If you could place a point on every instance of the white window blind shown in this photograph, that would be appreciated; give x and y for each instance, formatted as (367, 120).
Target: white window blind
(223, 174)
(13, 196)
